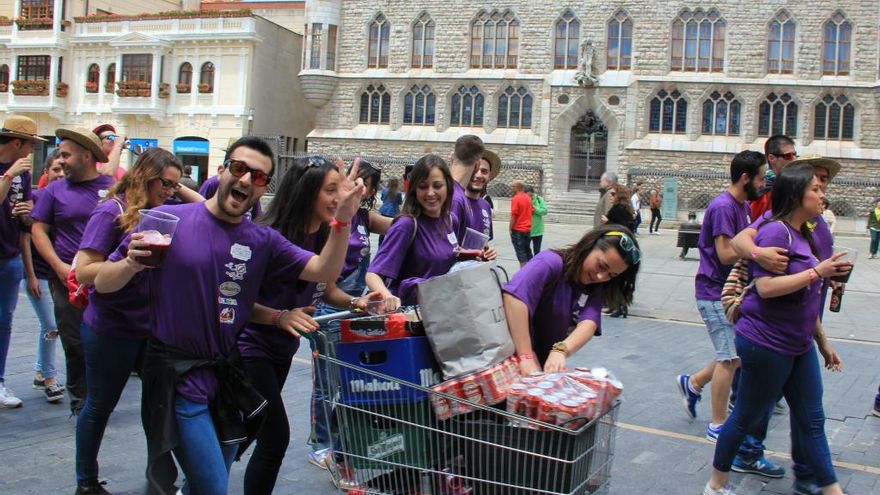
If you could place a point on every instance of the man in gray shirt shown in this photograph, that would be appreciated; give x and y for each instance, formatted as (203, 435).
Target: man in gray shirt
(607, 180)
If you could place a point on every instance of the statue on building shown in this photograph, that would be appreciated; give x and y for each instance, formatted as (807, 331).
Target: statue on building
(584, 77)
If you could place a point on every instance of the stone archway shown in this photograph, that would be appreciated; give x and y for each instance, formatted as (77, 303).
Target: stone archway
(587, 154)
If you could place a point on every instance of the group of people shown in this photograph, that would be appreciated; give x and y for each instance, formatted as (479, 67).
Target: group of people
(212, 330)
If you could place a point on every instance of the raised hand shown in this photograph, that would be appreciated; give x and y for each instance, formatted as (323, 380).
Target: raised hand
(351, 191)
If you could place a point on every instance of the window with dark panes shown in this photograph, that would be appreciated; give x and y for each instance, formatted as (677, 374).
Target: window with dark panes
(419, 105)
(721, 114)
(835, 119)
(780, 44)
(34, 67)
(515, 108)
(620, 32)
(777, 114)
(137, 67)
(37, 9)
(375, 105)
(668, 113)
(698, 41)
(4, 78)
(494, 40)
(837, 34)
(331, 47)
(380, 34)
(467, 107)
(423, 43)
(568, 33)
(206, 78)
(315, 59)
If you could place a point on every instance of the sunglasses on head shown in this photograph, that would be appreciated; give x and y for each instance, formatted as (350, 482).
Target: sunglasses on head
(169, 185)
(627, 245)
(315, 162)
(239, 168)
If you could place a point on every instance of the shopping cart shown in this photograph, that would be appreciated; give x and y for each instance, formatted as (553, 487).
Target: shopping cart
(387, 439)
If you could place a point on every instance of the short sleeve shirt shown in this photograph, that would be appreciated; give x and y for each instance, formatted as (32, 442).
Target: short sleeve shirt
(461, 209)
(358, 243)
(556, 306)
(10, 226)
(67, 206)
(725, 216)
(203, 294)
(786, 323)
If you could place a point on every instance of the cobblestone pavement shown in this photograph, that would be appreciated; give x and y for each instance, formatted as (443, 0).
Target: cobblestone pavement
(657, 451)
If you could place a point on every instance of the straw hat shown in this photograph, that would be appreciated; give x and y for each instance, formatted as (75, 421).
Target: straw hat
(494, 163)
(19, 126)
(815, 160)
(85, 138)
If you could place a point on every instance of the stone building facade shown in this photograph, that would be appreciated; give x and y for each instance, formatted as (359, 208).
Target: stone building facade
(678, 85)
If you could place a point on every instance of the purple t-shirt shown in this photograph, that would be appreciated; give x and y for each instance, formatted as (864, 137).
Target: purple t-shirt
(358, 243)
(785, 323)
(480, 218)
(124, 313)
(204, 292)
(405, 261)
(41, 269)
(267, 341)
(209, 189)
(10, 227)
(461, 208)
(555, 305)
(67, 206)
(725, 216)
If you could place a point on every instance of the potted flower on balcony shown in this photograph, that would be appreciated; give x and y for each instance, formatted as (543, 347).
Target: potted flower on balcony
(183, 87)
(4, 88)
(109, 87)
(205, 88)
(91, 87)
(24, 87)
(26, 23)
(164, 90)
(61, 89)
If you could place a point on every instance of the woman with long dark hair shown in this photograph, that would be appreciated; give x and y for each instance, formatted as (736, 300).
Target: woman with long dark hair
(775, 335)
(554, 303)
(303, 211)
(421, 243)
(116, 326)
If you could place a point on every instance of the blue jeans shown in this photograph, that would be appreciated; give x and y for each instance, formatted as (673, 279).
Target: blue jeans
(205, 463)
(11, 272)
(46, 341)
(521, 247)
(109, 363)
(875, 240)
(766, 374)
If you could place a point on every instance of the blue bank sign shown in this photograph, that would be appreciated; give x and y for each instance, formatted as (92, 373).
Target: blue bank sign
(191, 147)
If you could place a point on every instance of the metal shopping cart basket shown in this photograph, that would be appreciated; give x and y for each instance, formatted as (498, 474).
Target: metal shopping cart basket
(393, 443)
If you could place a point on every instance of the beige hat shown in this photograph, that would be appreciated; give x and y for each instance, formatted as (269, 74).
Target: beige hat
(816, 160)
(494, 163)
(85, 138)
(19, 126)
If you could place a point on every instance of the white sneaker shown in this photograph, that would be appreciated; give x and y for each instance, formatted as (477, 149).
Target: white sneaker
(319, 457)
(725, 490)
(8, 400)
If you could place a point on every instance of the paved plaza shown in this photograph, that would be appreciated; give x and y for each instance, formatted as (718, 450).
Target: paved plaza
(658, 450)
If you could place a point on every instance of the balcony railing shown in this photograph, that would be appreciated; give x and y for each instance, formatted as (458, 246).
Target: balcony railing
(211, 24)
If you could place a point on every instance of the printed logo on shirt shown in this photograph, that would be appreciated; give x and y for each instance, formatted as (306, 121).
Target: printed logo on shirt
(227, 301)
(16, 179)
(237, 271)
(365, 251)
(579, 305)
(362, 229)
(103, 193)
(230, 289)
(320, 288)
(227, 316)
(485, 213)
(452, 239)
(240, 252)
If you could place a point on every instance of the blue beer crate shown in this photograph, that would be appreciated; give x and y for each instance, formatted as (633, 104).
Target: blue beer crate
(409, 360)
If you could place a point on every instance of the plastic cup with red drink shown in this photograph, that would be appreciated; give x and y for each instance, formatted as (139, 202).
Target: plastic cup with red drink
(158, 229)
(473, 245)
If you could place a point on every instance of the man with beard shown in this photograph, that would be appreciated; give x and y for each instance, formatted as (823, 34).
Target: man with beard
(726, 215)
(209, 188)
(480, 218)
(464, 160)
(607, 180)
(201, 296)
(64, 210)
(779, 150)
(16, 144)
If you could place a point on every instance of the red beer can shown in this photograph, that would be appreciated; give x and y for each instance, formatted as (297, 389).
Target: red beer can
(533, 402)
(516, 399)
(567, 410)
(548, 409)
(471, 389)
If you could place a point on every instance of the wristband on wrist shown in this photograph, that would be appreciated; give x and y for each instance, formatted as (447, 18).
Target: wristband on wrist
(7, 176)
(755, 253)
(276, 317)
(526, 357)
(813, 275)
(337, 225)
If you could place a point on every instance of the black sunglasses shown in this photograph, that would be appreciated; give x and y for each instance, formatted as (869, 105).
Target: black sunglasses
(169, 185)
(239, 168)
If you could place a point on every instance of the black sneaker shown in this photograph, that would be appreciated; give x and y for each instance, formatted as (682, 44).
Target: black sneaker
(39, 383)
(54, 392)
(94, 488)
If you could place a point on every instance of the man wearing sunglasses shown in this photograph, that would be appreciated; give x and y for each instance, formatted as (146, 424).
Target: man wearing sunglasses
(203, 294)
(111, 144)
(209, 188)
(779, 150)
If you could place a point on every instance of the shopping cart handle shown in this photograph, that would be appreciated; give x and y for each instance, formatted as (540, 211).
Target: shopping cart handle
(341, 315)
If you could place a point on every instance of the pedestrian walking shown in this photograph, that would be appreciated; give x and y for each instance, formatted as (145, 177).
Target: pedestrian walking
(521, 222)
(539, 210)
(636, 201)
(606, 181)
(60, 219)
(421, 243)
(655, 199)
(36, 286)
(195, 390)
(553, 304)
(874, 228)
(392, 198)
(17, 139)
(775, 334)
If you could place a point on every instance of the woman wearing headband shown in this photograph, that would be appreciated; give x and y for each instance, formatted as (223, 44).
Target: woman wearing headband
(554, 303)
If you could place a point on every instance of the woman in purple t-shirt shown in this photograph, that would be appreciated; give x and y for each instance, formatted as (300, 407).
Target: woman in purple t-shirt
(421, 243)
(302, 211)
(115, 326)
(774, 340)
(554, 303)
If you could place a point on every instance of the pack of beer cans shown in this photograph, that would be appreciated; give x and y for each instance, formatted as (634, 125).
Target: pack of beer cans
(561, 398)
(487, 387)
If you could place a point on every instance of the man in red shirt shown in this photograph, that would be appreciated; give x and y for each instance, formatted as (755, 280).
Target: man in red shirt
(779, 150)
(521, 222)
